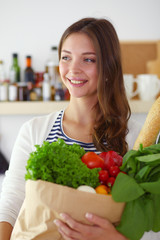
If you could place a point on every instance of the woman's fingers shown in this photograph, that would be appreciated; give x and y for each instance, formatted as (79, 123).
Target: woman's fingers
(99, 221)
(98, 229)
(72, 223)
(68, 228)
(63, 234)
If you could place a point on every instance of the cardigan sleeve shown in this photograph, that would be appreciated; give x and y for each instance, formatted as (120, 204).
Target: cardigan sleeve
(13, 186)
(12, 195)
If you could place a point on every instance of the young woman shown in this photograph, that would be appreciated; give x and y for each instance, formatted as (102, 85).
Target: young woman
(97, 118)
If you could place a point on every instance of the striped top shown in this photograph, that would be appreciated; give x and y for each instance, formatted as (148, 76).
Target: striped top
(57, 132)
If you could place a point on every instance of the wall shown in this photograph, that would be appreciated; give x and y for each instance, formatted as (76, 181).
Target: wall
(33, 26)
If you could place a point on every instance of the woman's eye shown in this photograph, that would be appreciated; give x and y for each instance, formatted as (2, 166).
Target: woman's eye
(90, 60)
(65, 58)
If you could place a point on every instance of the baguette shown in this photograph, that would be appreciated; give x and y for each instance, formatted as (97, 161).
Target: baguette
(151, 127)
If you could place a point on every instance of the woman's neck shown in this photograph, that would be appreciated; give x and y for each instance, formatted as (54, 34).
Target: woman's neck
(82, 110)
(79, 119)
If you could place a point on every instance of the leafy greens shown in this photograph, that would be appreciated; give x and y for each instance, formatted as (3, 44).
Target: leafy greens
(140, 189)
(60, 163)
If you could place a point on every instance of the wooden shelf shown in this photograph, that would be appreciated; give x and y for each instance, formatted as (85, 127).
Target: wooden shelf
(138, 106)
(38, 108)
(31, 108)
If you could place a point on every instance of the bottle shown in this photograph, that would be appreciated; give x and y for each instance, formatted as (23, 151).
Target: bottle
(38, 79)
(59, 92)
(2, 72)
(29, 73)
(46, 88)
(15, 69)
(52, 66)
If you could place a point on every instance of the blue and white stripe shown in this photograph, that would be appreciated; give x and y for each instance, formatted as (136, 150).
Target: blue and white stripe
(57, 132)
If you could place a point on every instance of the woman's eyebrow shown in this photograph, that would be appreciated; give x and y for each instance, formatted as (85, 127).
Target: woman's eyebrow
(85, 53)
(66, 51)
(88, 53)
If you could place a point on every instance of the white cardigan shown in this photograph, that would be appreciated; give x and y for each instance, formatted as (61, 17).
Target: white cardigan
(33, 132)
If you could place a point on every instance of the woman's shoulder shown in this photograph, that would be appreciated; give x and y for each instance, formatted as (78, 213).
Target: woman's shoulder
(43, 118)
(39, 127)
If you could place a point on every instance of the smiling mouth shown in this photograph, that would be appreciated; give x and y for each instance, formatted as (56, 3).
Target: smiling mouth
(78, 82)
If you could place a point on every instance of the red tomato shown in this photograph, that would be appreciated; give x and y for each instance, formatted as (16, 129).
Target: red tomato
(111, 158)
(117, 158)
(103, 176)
(110, 181)
(92, 160)
(108, 161)
(114, 170)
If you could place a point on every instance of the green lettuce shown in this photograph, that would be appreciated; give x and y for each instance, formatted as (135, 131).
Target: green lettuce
(60, 163)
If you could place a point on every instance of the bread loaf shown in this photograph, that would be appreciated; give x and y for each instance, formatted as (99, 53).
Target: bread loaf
(151, 127)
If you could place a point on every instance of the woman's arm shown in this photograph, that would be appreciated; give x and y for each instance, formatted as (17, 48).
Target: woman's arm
(5, 230)
(13, 186)
(12, 195)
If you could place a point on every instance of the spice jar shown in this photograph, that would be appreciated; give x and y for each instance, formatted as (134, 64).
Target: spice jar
(22, 91)
(12, 92)
(4, 92)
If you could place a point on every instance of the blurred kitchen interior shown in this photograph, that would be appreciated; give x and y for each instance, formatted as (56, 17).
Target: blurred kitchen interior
(32, 27)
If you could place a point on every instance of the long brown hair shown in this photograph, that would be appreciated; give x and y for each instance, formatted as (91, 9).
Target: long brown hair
(111, 128)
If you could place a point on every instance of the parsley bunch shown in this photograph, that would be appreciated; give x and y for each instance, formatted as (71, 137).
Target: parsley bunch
(60, 163)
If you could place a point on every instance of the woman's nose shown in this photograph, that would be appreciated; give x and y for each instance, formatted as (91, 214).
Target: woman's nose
(75, 66)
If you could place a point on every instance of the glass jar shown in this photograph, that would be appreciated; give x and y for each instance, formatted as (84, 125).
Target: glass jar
(4, 92)
(22, 91)
(12, 92)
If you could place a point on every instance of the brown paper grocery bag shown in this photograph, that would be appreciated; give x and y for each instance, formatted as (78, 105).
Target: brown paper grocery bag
(44, 202)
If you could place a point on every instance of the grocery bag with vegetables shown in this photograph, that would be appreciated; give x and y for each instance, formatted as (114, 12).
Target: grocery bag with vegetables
(55, 174)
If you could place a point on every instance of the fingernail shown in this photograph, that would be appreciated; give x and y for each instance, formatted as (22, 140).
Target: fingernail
(56, 222)
(62, 215)
(89, 215)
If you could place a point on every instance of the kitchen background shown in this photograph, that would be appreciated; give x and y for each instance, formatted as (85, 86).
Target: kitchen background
(32, 27)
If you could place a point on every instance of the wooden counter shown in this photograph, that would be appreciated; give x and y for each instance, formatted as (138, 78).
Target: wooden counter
(39, 108)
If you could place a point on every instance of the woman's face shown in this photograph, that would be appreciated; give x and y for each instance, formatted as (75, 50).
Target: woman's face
(78, 66)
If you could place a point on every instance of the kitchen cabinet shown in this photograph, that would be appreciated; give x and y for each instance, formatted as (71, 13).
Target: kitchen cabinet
(139, 57)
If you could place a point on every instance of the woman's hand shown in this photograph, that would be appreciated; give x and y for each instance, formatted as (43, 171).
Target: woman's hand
(101, 229)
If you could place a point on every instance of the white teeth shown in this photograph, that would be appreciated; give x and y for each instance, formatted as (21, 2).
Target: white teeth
(76, 82)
